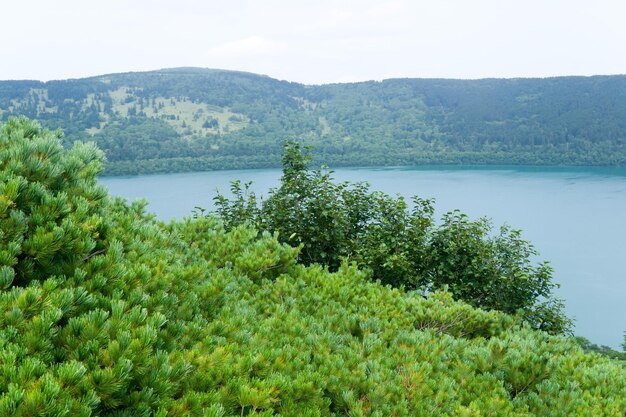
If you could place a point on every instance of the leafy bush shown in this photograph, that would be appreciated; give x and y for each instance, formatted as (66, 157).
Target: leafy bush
(332, 222)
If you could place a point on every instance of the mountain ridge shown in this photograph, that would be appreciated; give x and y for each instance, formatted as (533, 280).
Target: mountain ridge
(190, 119)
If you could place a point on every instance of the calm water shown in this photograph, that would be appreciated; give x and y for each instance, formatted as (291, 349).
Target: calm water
(575, 217)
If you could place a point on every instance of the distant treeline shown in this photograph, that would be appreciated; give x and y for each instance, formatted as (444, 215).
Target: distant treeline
(196, 119)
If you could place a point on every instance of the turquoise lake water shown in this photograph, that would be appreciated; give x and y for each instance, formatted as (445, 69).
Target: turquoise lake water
(575, 217)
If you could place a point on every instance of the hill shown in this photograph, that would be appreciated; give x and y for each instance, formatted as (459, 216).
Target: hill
(105, 311)
(189, 119)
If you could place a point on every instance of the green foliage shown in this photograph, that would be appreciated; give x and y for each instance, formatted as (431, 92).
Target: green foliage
(493, 272)
(307, 209)
(190, 119)
(242, 207)
(50, 206)
(405, 247)
(188, 319)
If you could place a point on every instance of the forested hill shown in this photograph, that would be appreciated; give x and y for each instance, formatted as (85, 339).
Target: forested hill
(196, 119)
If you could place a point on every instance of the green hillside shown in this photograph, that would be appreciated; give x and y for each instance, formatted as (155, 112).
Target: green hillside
(105, 311)
(196, 119)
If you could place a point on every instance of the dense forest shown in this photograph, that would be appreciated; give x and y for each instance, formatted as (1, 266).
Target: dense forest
(191, 119)
(106, 311)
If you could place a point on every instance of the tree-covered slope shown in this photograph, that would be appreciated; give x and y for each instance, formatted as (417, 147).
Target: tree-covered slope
(194, 119)
(105, 311)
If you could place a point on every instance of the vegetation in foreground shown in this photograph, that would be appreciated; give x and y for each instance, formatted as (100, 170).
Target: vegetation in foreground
(191, 119)
(105, 311)
(399, 245)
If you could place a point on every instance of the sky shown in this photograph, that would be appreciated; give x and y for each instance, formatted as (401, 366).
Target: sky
(316, 41)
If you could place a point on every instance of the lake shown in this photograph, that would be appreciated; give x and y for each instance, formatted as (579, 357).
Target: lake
(575, 217)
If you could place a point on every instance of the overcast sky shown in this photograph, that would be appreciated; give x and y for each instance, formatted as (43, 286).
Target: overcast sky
(317, 41)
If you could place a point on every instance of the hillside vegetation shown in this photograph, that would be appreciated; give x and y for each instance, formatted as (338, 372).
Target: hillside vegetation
(105, 311)
(190, 119)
